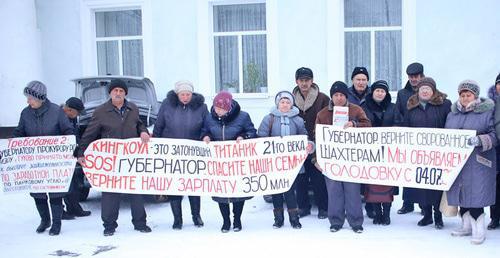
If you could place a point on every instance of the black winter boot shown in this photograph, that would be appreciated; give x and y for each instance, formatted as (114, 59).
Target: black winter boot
(278, 218)
(176, 206)
(43, 209)
(57, 211)
(427, 219)
(386, 214)
(377, 208)
(194, 201)
(294, 218)
(224, 211)
(370, 212)
(438, 219)
(494, 224)
(237, 210)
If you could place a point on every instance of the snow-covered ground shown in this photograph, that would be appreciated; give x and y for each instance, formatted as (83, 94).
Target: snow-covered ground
(83, 237)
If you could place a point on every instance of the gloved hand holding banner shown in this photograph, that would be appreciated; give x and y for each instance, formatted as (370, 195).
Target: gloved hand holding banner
(186, 167)
(426, 158)
(43, 164)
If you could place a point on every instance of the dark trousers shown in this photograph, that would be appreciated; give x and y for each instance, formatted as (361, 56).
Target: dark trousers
(237, 210)
(72, 199)
(289, 197)
(407, 203)
(311, 176)
(194, 202)
(110, 207)
(474, 212)
(495, 209)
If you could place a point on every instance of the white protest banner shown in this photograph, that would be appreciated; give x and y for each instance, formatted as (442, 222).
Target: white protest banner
(426, 158)
(186, 167)
(37, 164)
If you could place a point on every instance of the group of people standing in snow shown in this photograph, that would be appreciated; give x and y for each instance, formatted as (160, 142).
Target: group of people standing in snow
(185, 115)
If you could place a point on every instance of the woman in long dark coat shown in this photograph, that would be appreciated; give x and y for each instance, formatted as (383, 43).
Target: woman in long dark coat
(494, 94)
(427, 108)
(43, 118)
(382, 113)
(181, 116)
(227, 122)
(474, 188)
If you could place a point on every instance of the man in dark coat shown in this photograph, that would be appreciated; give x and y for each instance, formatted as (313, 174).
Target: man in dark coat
(181, 116)
(72, 108)
(494, 94)
(309, 100)
(359, 89)
(117, 118)
(43, 118)
(415, 72)
(427, 108)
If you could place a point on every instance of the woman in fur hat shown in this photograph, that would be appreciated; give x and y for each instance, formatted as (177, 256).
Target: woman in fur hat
(474, 187)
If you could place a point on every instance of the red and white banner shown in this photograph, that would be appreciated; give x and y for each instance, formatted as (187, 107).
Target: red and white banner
(186, 167)
(413, 157)
(37, 164)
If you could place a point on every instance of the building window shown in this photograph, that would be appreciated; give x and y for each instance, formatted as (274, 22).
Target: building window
(372, 34)
(240, 47)
(119, 42)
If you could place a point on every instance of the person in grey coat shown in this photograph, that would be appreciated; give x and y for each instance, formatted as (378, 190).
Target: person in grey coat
(43, 118)
(494, 94)
(284, 120)
(181, 116)
(474, 188)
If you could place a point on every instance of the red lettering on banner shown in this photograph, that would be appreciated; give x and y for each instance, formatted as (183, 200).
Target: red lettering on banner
(235, 150)
(381, 173)
(396, 156)
(258, 166)
(285, 163)
(123, 148)
(99, 162)
(193, 185)
(156, 183)
(435, 158)
(110, 182)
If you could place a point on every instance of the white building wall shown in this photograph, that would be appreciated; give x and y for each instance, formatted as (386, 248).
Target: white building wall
(20, 56)
(59, 23)
(175, 45)
(459, 40)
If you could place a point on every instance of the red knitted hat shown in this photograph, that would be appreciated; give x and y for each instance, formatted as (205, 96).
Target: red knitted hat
(223, 100)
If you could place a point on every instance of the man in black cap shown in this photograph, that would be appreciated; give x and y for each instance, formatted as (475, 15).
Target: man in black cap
(110, 120)
(73, 108)
(359, 88)
(310, 100)
(415, 72)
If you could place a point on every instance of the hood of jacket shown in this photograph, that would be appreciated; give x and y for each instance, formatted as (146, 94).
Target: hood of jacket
(437, 99)
(294, 111)
(483, 106)
(196, 101)
(492, 93)
(373, 105)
